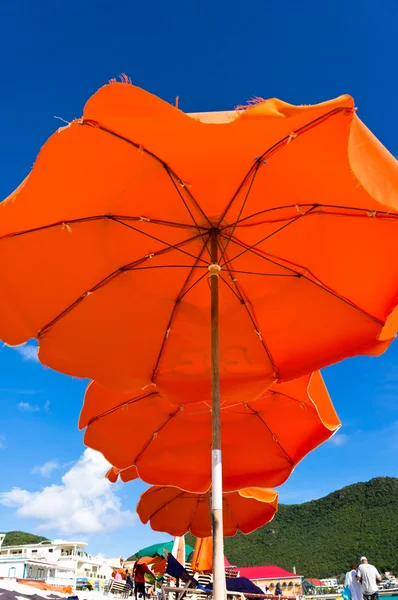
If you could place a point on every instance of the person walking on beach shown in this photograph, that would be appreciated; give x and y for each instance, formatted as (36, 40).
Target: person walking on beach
(352, 583)
(368, 576)
(139, 571)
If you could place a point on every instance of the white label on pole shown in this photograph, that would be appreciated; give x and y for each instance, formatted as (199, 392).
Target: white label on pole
(216, 480)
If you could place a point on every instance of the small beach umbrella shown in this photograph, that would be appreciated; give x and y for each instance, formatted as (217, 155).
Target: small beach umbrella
(202, 558)
(158, 550)
(263, 440)
(177, 512)
(106, 248)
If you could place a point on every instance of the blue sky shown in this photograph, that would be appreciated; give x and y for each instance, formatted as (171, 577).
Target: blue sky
(214, 56)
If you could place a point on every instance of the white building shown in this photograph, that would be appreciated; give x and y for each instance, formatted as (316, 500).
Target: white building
(331, 582)
(58, 562)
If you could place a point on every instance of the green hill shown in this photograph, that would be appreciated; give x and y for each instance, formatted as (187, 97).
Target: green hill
(323, 537)
(14, 538)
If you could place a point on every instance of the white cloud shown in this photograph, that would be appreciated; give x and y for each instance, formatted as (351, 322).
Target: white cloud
(85, 502)
(28, 352)
(46, 469)
(339, 439)
(28, 407)
(47, 406)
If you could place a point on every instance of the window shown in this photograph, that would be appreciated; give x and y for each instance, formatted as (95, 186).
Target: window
(51, 550)
(30, 572)
(284, 584)
(12, 572)
(34, 551)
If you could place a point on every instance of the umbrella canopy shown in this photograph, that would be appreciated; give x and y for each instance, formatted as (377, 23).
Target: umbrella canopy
(170, 445)
(158, 550)
(157, 563)
(112, 276)
(113, 474)
(177, 512)
(202, 559)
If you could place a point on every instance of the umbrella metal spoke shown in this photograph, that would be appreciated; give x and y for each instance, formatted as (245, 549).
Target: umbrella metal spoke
(240, 211)
(95, 218)
(270, 235)
(181, 294)
(153, 237)
(168, 169)
(316, 281)
(111, 277)
(368, 212)
(282, 143)
(122, 405)
(274, 436)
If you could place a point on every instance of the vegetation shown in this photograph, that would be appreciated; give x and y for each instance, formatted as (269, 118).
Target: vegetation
(15, 538)
(323, 537)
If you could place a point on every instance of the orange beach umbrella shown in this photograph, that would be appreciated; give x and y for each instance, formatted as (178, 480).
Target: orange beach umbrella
(170, 445)
(202, 558)
(106, 248)
(177, 512)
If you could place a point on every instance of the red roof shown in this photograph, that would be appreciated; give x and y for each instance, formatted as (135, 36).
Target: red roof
(316, 582)
(226, 562)
(268, 572)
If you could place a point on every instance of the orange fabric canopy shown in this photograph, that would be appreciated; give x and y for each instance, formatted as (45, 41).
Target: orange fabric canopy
(202, 559)
(104, 246)
(262, 440)
(177, 512)
(113, 474)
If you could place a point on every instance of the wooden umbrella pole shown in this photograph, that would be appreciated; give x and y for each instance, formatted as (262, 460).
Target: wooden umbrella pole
(217, 504)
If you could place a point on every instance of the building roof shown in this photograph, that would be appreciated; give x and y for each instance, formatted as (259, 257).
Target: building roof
(226, 562)
(315, 582)
(266, 572)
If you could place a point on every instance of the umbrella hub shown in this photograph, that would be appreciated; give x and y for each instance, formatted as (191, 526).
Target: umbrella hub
(214, 269)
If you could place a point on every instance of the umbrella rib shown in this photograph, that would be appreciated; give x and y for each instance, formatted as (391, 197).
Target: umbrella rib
(157, 511)
(174, 310)
(256, 170)
(154, 435)
(94, 218)
(194, 512)
(140, 148)
(260, 255)
(244, 302)
(160, 240)
(257, 273)
(369, 212)
(270, 235)
(230, 512)
(274, 436)
(187, 207)
(108, 279)
(316, 281)
(119, 406)
(279, 145)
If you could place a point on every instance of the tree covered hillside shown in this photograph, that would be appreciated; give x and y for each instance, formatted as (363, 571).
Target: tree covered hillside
(323, 537)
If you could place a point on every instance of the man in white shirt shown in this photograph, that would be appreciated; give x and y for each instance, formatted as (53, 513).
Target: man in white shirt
(368, 576)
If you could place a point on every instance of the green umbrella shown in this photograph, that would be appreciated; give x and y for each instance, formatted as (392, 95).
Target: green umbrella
(158, 550)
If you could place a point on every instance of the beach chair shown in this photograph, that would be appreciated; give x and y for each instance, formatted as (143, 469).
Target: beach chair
(118, 588)
(187, 585)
